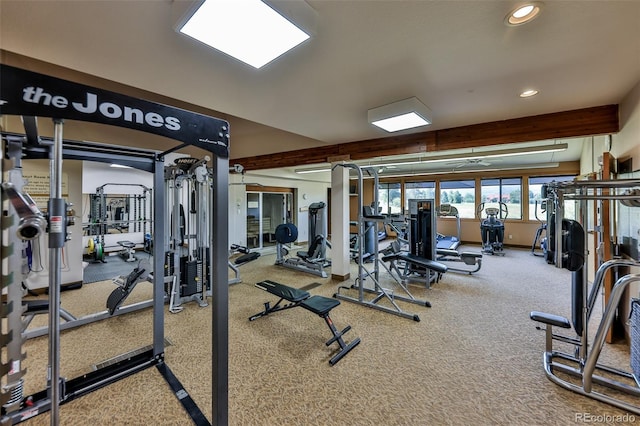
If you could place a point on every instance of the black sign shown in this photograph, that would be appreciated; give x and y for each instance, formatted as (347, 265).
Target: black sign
(31, 94)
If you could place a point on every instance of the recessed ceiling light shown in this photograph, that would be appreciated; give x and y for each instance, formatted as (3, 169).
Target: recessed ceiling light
(528, 93)
(248, 30)
(523, 13)
(401, 122)
(401, 115)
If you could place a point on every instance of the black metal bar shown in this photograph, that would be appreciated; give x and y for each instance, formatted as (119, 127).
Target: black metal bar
(220, 293)
(183, 396)
(84, 384)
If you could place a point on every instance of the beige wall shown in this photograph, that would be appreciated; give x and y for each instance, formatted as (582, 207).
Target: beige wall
(624, 145)
(521, 231)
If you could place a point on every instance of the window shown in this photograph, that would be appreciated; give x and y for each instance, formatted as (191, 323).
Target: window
(389, 198)
(418, 191)
(501, 190)
(461, 194)
(535, 197)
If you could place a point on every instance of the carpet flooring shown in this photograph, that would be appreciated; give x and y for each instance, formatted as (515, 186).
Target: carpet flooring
(474, 358)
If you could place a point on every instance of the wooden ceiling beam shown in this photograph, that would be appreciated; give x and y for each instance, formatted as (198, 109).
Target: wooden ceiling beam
(582, 122)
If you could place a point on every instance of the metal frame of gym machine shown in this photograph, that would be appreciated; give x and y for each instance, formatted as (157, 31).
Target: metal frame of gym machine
(379, 291)
(584, 363)
(97, 226)
(188, 181)
(309, 264)
(29, 94)
(451, 255)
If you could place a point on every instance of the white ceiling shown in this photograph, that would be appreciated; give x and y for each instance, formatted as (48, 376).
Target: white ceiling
(458, 57)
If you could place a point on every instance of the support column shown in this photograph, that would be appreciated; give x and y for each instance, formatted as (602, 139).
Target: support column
(340, 260)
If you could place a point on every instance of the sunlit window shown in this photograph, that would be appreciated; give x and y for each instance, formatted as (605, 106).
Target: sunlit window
(389, 197)
(418, 191)
(536, 205)
(460, 194)
(503, 190)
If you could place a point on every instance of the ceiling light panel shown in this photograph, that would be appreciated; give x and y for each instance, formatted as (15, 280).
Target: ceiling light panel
(401, 122)
(401, 115)
(248, 30)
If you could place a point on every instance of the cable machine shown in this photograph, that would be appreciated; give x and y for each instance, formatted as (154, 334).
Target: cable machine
(369, 223)
(314, 259)
(28, 94)
(188, 183)
(582, 371)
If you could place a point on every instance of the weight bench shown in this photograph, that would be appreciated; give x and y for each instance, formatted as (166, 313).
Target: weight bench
(468, 257)
(246, 257)
(126, 284)
(127, 251)
(413, 263)
(319, 305)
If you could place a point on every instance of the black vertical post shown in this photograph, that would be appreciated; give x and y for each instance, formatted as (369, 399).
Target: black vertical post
(220, 292)
(158, 238)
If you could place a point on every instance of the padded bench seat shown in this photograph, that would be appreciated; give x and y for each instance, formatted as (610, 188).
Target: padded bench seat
(248, 257)
(461, 254)
(418, 261)
(288, 293)
(127, 244)
(319, 305)
(554, 320)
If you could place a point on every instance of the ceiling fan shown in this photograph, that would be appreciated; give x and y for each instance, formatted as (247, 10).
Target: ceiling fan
(467, 162)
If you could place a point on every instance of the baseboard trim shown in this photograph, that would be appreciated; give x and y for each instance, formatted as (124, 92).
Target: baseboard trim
(340, 277)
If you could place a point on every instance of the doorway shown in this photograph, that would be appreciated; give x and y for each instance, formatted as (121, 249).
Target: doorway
(265, 211)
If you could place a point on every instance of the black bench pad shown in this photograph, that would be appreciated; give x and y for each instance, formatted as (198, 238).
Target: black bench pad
(247, 258)
(36, 306)
(455, 253)
(417, 260)
(471, 254)
(288, 293)
(550, 319)
(447, 252)
(320, 305)
(127, 244)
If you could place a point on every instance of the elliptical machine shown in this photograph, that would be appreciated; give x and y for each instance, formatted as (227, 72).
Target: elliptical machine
(492, 228)
(542, 229)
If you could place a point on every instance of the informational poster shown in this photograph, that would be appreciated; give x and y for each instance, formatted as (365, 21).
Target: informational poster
(38, 187)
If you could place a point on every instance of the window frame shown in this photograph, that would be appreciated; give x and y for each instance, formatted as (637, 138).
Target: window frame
(449, 184)
(501, 184)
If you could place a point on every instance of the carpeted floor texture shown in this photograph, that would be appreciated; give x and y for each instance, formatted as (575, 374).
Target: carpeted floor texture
(475, 357)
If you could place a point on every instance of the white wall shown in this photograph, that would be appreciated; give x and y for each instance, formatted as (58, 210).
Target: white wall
(315, 191)
(95, 175)
(592, 149)
(627, 144)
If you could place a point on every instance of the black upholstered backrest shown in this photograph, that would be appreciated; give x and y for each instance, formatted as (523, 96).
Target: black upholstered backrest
(286, 233)
(314, 247)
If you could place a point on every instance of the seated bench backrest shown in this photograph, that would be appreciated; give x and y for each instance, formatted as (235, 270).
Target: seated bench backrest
(315, 247)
